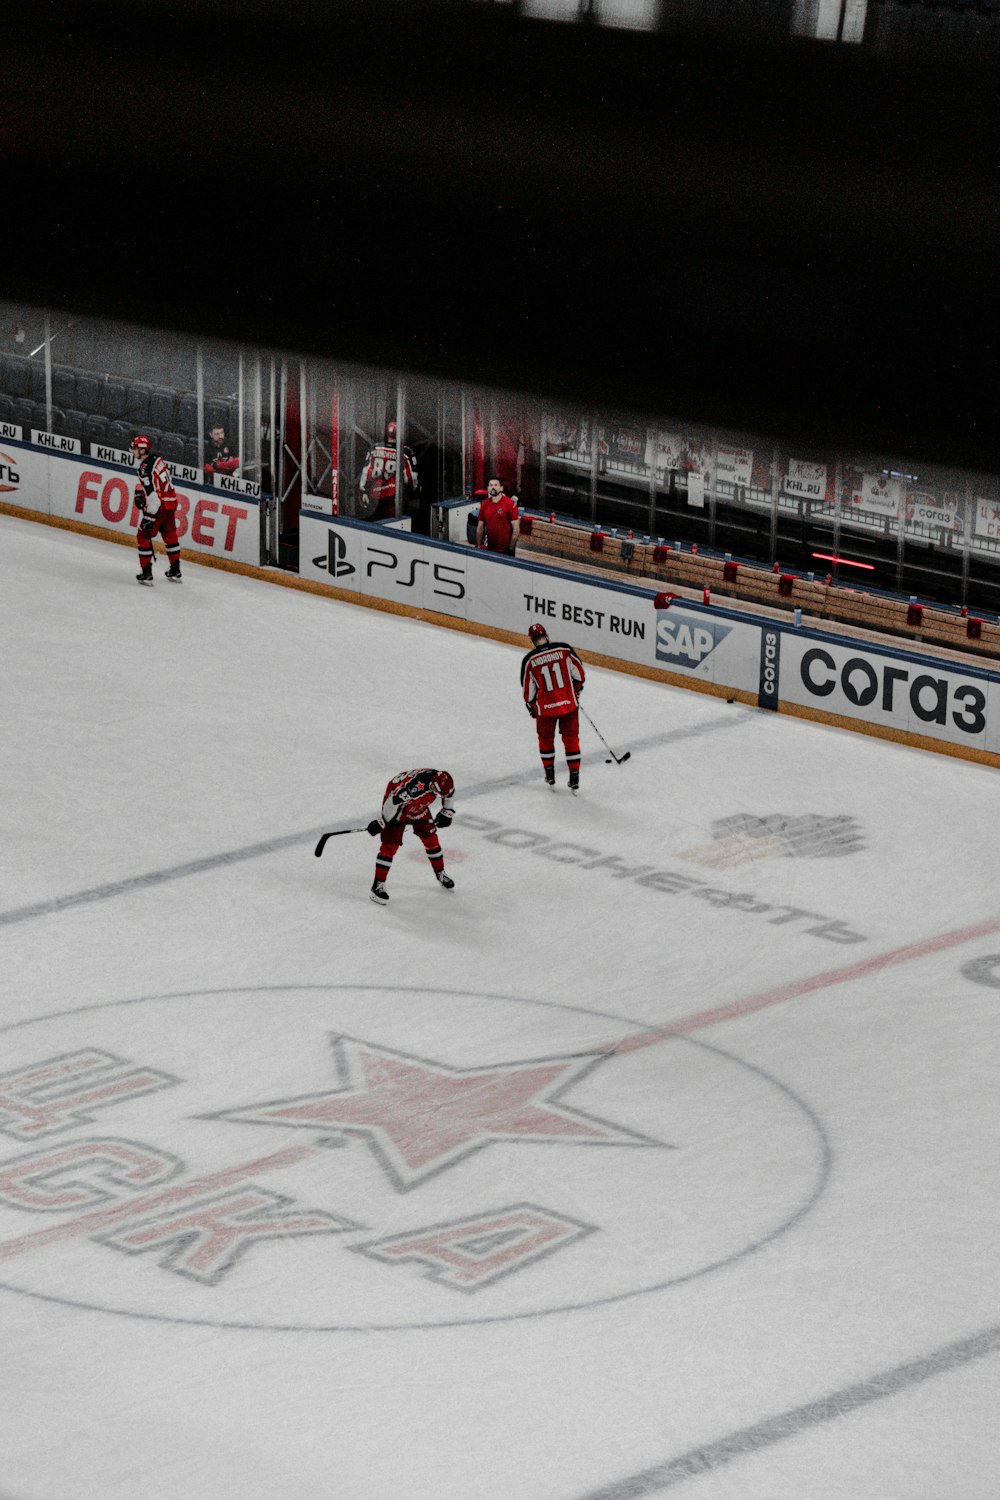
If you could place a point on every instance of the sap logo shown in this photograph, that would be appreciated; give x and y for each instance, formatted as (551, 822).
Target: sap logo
(685, 643)
(335, 559)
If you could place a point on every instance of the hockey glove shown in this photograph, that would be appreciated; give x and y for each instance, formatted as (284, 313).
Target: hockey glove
(139, 500)
(147, 525)
(374, 827)
(532, 710)
(443, 819)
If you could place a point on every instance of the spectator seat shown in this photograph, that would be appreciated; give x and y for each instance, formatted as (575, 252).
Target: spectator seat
(172, 447)
(163, 407)
(71, 425)
(40, 417)
(137, 404)
(113, 400)
(187, 415)
(14, 376)
(64, 388)
(88, 392)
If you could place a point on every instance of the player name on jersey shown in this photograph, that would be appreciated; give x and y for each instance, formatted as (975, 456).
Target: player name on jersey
(53, 440)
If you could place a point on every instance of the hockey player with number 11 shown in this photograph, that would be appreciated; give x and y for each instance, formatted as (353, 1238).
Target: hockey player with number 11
(407, 804)
(552, 679)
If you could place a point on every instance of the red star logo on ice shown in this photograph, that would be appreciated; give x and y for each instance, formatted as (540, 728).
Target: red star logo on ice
(420, 1117)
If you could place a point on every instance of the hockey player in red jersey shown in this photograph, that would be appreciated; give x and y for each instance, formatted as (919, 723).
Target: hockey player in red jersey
(552, 679)
(407, 804)
(156, 497)
(377, 497)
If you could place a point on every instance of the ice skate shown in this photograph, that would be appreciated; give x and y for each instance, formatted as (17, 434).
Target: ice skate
(574, 782)
(146, 576)
(550, 779)
(445, 880)
(173, 573)
(379, 893)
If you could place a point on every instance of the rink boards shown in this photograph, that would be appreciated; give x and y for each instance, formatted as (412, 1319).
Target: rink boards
(879, 690)
(814, 674)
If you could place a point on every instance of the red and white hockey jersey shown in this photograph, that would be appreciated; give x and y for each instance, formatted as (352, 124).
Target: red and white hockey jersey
(551, 676)
(155, 486)
(409, 795)
(378, 477)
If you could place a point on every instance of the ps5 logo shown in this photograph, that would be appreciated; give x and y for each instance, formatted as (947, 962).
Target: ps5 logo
(450, 587)
(335, 562)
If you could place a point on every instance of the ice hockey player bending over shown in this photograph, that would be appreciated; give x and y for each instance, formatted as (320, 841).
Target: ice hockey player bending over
(407, 804)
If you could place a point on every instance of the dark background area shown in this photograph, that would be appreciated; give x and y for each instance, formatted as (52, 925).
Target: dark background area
(727, 225)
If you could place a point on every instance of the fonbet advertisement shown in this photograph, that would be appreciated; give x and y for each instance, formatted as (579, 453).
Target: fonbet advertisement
(100, 493)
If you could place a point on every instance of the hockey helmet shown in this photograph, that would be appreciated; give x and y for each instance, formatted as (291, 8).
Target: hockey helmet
(390, 433)
(142, 445)
(538, 633)
(443, 782)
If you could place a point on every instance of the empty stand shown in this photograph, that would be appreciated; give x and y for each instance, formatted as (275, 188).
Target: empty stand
(64, 388)
(71, 424)
(137, 403)
(163, 407)
(14, 376)
(113, 400)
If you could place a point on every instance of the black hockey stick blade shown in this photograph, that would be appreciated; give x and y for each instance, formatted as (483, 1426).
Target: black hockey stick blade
(335, 833)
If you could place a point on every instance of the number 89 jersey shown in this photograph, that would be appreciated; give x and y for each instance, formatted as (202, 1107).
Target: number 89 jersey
(550, 676)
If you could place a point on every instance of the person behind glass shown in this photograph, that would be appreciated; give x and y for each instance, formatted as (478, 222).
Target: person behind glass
(496, 528)
(156, 498)
(377, 498)
(220, 456)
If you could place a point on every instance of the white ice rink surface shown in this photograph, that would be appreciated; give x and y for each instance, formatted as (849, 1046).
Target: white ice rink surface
(562, 1186)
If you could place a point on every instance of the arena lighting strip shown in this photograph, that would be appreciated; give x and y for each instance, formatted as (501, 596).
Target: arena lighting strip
(844, 561)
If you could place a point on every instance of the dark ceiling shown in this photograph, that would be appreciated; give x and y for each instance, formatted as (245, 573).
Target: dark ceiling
(779, 236)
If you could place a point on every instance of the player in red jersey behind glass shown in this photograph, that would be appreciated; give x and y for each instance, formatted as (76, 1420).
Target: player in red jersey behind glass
(407, 804)
(552, 679)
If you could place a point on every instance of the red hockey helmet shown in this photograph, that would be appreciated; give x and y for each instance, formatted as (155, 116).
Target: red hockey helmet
(538, 633)
(443, 782)
(142, 445)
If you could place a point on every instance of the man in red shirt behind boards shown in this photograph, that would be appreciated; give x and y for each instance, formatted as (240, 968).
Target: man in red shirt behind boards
(497, 519)
(552, 679)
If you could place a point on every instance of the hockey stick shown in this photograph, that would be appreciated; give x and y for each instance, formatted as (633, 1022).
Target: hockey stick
(616, 758)
(335, 833)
